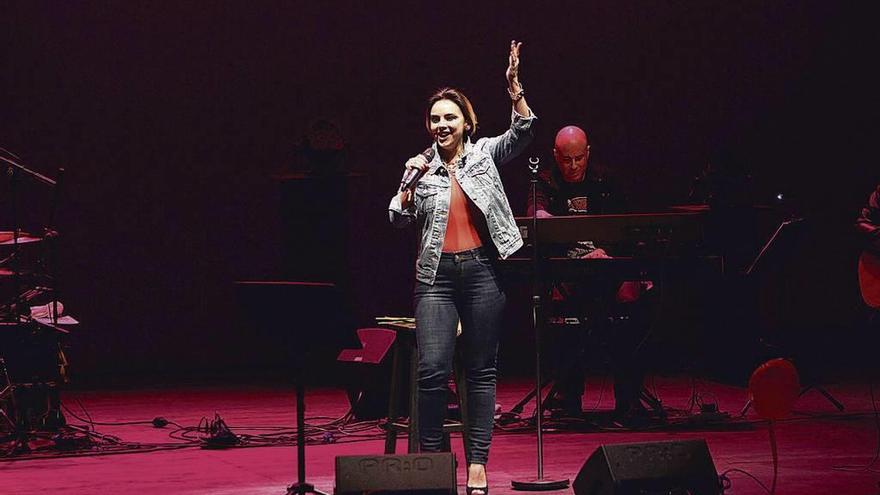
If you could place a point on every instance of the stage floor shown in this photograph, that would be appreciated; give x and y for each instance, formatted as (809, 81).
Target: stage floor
(813, 445)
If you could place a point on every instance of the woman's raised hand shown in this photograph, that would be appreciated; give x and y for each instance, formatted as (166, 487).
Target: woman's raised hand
(513, 63)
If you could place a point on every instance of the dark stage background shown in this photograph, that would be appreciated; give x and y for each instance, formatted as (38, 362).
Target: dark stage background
(173, 120)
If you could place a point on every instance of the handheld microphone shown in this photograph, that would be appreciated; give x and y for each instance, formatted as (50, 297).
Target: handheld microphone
(413, 175)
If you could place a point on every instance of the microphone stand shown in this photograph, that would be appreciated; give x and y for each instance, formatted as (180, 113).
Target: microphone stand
(539, 483)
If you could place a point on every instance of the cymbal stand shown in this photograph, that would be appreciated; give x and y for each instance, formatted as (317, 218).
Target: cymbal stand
(8, 390)
(16, 427)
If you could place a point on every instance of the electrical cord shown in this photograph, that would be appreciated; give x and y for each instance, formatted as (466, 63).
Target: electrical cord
(726, 481)
(869, 466)
(78, 441)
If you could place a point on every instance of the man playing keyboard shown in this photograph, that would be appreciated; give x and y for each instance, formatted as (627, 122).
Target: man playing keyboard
(620, 312)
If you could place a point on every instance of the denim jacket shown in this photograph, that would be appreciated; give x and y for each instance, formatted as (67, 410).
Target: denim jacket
(478, 176)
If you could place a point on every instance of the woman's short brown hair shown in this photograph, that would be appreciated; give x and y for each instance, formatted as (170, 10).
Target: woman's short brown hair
(457, 97)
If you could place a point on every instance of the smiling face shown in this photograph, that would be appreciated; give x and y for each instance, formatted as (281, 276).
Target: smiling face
(447, 125)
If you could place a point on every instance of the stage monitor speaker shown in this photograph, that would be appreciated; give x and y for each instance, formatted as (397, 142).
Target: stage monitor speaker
(421, 474)
(668, 468)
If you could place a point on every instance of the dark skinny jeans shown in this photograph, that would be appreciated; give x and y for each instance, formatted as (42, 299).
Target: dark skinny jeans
(466, 288)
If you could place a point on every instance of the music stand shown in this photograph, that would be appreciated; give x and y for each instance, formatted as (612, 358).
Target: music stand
(782, 240)
(315, 307)
(783, 235)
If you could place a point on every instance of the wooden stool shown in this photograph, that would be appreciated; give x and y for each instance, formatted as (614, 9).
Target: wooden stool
(405, 352)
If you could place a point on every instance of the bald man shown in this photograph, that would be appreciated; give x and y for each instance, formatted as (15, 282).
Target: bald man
(575, 186)
(568, 189)
(571, 151)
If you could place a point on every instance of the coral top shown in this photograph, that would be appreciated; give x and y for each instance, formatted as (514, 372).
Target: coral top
(462, 229)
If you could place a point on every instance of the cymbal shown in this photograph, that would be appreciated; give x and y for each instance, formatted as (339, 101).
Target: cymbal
(6, 237)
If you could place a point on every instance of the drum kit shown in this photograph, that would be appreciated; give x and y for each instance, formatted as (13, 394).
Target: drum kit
(32, 362)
